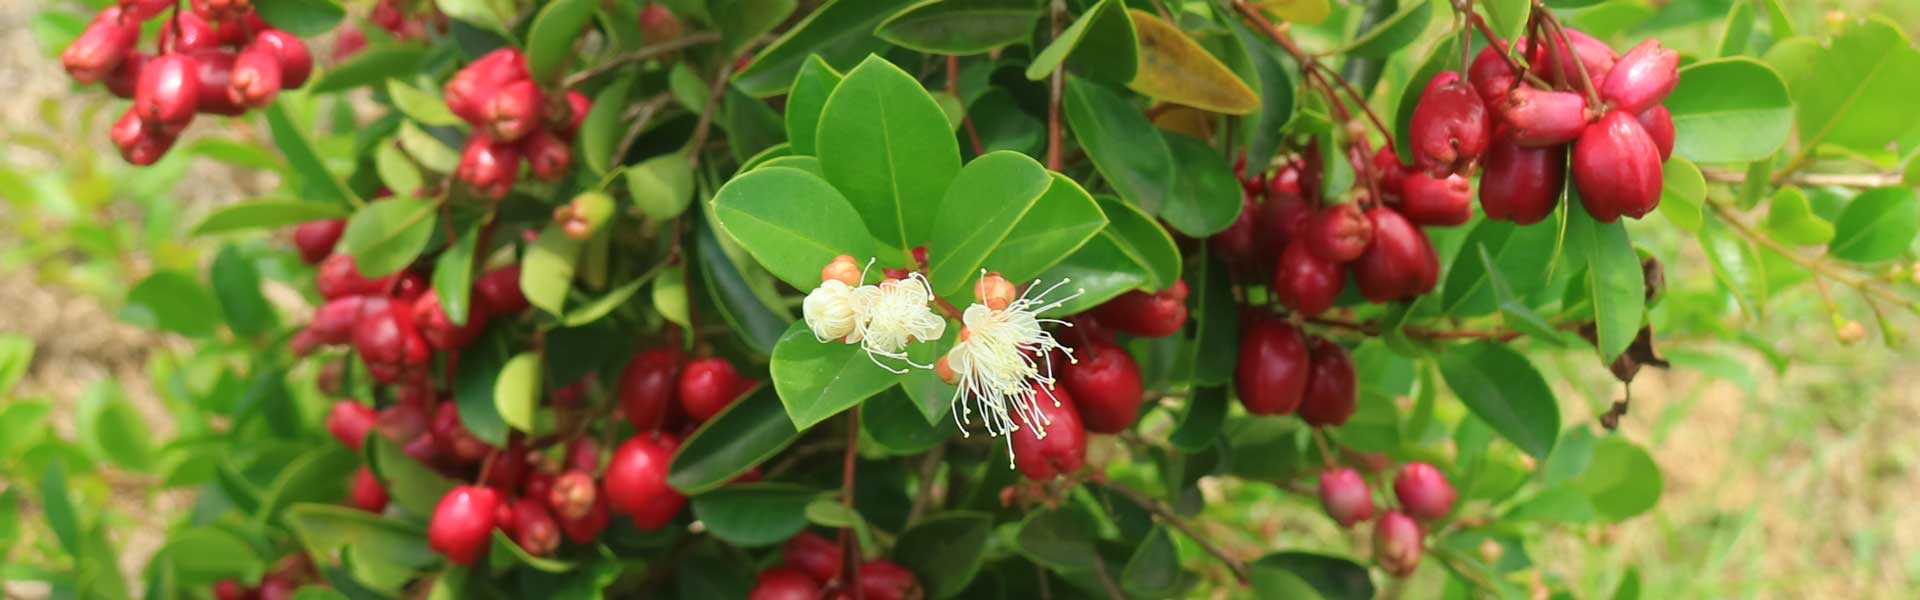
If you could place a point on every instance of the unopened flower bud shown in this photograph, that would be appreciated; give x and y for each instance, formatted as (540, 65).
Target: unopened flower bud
(843, 270)
(994, 291)
(1851, 332)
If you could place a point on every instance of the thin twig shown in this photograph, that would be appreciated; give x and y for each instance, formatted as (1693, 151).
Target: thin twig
(1846, 180)
(641, 54)
(851, 546)
(1106, 579)
(705, 126)
(1167, 515)
(646, 111)
(1816, 266)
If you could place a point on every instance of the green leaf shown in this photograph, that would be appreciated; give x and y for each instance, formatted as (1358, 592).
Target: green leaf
(1177, 69)
(1332, 577)
(1392, 33)
(171, 301)
(1123, 145)
(1613, 278)
(754, 514)
(897, 423)
(1059, 538)
(1207, 199)
(1522, 256)
(752, 126)
(1154, 568)
(1215, 340)
(742, 21)
(601, 129)
(1555, 505)
(750, 431)
(1739, 29)
(1623, 480)
(945, 551)
(517, 392)
(1857, 92)
(305, 18)
(885, 143)
(265, 214)
(670, 296)
(507, 554)
(1736, 265)
(792, 222)
(385, 553)
(16, 356)
(424, 107)
(1200, 423)
(546, 272)
(1502, 388)
(57, 506)
(412, 486)
(1137, 236)
(1712, 126)
(1110, 53)
(1877, 225)
(473, 385)
(961, 27)
(427, 150)
(1515, 311)
(987, 200)
(1508, 18)
(811, 88)
(453, 276)
(314, 181)
(107, 421)
(555, 30)
(840, 32)
(758, 326)
(1683, 191)
(1276, 95)
(237, 284)
(317, 475)
(1100, 270)
(1790, 219)
(613, 299)
(661, 186)
(371, 66)
(932, 396)
(203, 555)
(817, 380)
(487, 14)
(384, 237)
(1061, 221)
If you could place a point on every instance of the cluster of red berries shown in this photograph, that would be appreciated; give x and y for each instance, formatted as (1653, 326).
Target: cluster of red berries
(1424, 494)
(1282, 372)
(219, 58)
(812, 566)
(401, 23)
(1519, 125)
(279, 583)
(512, 119)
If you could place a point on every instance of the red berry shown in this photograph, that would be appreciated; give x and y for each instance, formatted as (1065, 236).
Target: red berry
(1520, 184)
(338, 277)
(431, 319)
(577, 107)
(256, 77)
(462, 525)
(348, 42)
(513, 111)
(404, 422)
(470, 87)
(1273, 368)
(1593, 53)
(573, 494)
(510, 466)
(1616, 167)
(168, 92)
(1397, 543)
(1235, 244)
(1306, 283)
(1490, 74)
(1338, 233)
(532, 527)
(1105, 385)
(547, 154)
(141, 10)
(707, 386)
(316, 239)
(187, 32)
(498, 291)
(813, 555)
(636, 481)
(1156, 314)
(366, 493)
(454, 438)
(588, 526)
(138, 143)
(489, 166)
(349, 422)
(1331, 394)
(215, 80)
(228, 589)
(387, 341)
(275, 586)
(1281, 220)
(784, 583)
(1388, 172)
(101, 47)
(1429, 201)
(1543, 117)
(1642, 78)
(1450, 126)
(296, 62)
(1659, 125)
(886, 580)
(658, 24)
(648, 388)
(583, 454)
(1064, 450)
(1345, 496)
(1400, 264)
(125, 77)
(1423, 492)
(333, 324)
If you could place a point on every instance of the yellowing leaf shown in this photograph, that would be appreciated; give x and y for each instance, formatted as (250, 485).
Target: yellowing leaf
(1176, 69)
(1304, 12)
(1193, 122)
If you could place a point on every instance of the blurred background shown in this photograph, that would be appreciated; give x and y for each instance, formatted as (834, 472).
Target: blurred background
(1789, 461)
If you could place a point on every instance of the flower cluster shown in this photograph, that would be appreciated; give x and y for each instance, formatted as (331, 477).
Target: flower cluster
(882, 318)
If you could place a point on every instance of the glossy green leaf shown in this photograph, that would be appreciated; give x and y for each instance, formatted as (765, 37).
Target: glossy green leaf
(754, 514)
(1877, 225)
(741, 22)
(747, 433)
(1683, 191)
(424, 107)
(56, 505)
(487, 14)
(1214, 343)
(945, 551)
(555, 30)
(1859, 90)
(1790, 219)
(305, 18)
(885, 144)
(1123, 145)
(1502, 388)
(207, 554)
(396, 171)
(384, 237)
(473, 385)
(1177, 69)
(236, 282)
(1154, 568)
(792, 222)
(1101, 269)
(1613, 278)
(1623, 480)
(317, 475)
(601, 129)
(1275, 89)
(379, 547)
(265, 214)
(507, 554)
(1110, 49)
(1207, 199)
(1392, 33)
(453, 276)
(546, 272)
(661, 186)
(1332, 577)
(817, 380)
(315, 182)
(428, 151)
(412, 486)
(961, 27)
(1739, 29)
(171, 301)
(517, 392)
(1508, 18)
(1141, 239)
(752, 127)
(106, 420)
(370, 67)
(840, 32)
(759, 327)
(1736, 264)
(1553, 505)
(1712, 126)
(1059, 538)
(1062, 221)
(808, 97)
(988, 198)
(924, 388)
(894, 421)
(1521, 254)
(1515, 311)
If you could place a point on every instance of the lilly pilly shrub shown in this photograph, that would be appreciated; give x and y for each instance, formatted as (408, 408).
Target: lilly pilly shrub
(885, 299)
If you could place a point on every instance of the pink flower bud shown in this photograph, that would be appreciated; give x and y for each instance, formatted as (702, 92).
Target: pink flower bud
(1345, 496)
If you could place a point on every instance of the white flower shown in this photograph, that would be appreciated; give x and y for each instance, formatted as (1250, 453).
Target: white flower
(897, 314)
(832, 312)
(1001, 356)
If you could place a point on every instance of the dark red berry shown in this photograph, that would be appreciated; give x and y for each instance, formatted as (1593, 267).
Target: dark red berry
(813, 555)
(366, 492)
(587, 527)
(489, 166)
(784, 583)
(1521, 184)
(1331, 394)
(1659, 125)
(216, 79)
(1616, 167)
(349, 422)
(707, 386)
(1538, 118)
(1450, 126)
(431, 319)
(1306, 283)
(462, 524)
(315, 239)
(139, 144)
(296, 62)
(453, 437)
(387, 341)
(886, 580)
(255, 78)
(1064, 449)
(573, 494)
(1427, 200)
(168, 92)
(513, 111)
(1590, 52)
(533, 527)
(100, 47)
(337, 277)
(1105, 385)
(649, 386)
(1338, 233)
(1273, 368)
(1155, 314)
(547, 154)
(1401, 262)
(470, 87)
(1236, 244)
(498, 291)
(228, 589)
(1642, 78)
